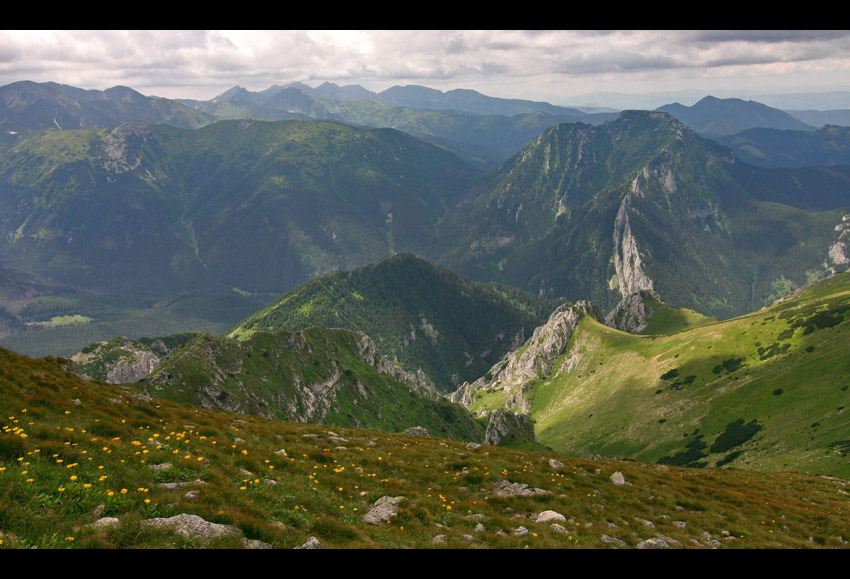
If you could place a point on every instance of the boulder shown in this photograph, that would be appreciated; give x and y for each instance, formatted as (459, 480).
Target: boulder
(312, 543)
(382, 510)
(551, 516)
(193, 527)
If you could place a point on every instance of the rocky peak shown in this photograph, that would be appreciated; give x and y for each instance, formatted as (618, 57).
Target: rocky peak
(534, 359)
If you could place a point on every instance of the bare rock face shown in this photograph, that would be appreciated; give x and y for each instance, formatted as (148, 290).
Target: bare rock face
(505, 426)
(627, 259)
(127, 371)
(633, 311)
(532, 360)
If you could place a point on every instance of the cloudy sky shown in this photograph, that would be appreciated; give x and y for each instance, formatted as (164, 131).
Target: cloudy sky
(556, 66)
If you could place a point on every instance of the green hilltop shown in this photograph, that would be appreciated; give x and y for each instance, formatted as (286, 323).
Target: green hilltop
(430, 320)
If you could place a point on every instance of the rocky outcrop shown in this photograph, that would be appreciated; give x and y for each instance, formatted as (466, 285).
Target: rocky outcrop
(633, 312)
(506, 427)
(117, 361)
(368, 352)
(383, 510)
(193, 527)
(122, 360)
(122, 147)
(127, 371)
(319, 375)
(532, 360)
(838, 252)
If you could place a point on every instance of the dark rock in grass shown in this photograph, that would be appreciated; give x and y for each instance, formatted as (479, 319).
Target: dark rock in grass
(179, 485)
(105, 522)
(551, 516)
(255, 544)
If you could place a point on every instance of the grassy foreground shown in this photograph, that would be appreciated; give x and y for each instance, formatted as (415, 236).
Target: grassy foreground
(68, 446)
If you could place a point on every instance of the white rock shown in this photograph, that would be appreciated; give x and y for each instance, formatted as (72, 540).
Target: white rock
(551, 517)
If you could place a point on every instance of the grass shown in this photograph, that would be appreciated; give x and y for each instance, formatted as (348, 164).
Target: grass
(68, 446)
(66, 320)
(764, 391)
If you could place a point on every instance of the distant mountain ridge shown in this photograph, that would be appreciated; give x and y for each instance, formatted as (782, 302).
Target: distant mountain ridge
(28, 106)
(829, 145)
(713, 116)
(482, 130)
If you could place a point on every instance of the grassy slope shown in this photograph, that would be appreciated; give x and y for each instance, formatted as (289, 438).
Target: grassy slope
(667, 320)
(791, 381)
(67, 446)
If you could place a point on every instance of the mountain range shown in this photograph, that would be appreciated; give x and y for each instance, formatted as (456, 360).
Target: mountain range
(252, 208)
(443, 304)
(643, 202)
(637, 218)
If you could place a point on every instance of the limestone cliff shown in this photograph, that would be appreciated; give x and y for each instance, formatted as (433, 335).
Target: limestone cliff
(532, 360)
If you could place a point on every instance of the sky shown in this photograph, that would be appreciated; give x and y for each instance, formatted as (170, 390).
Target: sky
(558, 66)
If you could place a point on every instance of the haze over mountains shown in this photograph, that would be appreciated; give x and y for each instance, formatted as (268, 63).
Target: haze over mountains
(251, 208)
(669, 286)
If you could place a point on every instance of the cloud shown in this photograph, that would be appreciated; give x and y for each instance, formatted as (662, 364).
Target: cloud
(514, 59)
